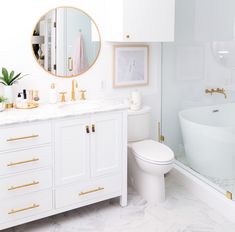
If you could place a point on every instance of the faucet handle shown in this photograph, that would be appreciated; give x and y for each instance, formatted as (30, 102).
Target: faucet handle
(82, 95)
(62, 96)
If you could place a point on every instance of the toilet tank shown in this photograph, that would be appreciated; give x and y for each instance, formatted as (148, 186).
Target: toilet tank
(139, 124)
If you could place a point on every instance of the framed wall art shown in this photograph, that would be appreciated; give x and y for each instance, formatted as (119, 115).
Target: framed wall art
(130, 66)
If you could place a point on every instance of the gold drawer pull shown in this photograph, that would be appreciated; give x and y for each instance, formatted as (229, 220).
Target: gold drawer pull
(23, 162)
(91, 191)
(23, 186)
(20, 138)
(13, 211)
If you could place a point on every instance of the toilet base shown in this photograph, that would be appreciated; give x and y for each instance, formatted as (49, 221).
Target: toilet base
(147, 178)
(151, 187)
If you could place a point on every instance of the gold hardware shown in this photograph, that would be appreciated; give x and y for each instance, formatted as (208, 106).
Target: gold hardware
(24, 137)
(62, 96)
(161, 138)
(70, 64)
(87, 130)
(218, 90)
(128, 36)
(73, 97)
(82, 95)
(30, 105)
(93, 128)
(13, 211)
(9, 105)
(229, 195)
(91, 191)
(23, 162)
(24, 185)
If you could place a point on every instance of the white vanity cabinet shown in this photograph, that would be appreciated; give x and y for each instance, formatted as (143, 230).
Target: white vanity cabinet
(26, 172)
(89, 158)
(61, 163)
(139, 21)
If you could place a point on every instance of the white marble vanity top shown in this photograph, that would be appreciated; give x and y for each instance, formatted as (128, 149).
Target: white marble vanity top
(60, 110)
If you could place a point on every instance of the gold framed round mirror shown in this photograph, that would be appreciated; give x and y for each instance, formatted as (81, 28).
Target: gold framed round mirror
(66, 42)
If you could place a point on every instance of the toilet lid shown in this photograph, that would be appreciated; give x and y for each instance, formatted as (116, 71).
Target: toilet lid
(153, 151)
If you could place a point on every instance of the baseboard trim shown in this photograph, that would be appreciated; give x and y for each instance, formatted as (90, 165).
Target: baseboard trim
(205, 192)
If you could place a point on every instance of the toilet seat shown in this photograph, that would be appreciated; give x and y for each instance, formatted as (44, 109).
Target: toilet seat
(153, 152)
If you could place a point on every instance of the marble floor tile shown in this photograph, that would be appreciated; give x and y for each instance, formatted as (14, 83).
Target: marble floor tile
(181, 212)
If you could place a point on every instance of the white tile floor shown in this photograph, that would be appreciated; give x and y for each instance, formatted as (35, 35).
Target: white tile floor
(181, 212)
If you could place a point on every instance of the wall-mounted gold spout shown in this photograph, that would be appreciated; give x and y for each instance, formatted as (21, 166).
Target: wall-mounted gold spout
(218, 90)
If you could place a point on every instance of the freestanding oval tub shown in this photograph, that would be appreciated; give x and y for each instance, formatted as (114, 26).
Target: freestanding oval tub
(209, 139)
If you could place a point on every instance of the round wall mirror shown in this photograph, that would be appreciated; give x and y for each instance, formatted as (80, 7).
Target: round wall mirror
(66, 42)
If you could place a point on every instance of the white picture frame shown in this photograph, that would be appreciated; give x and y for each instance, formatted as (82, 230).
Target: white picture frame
(130, 65)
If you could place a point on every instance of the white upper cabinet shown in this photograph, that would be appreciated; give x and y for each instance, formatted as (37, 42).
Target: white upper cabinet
(140, 21)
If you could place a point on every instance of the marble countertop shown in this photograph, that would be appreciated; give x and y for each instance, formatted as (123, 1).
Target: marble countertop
(60, 110)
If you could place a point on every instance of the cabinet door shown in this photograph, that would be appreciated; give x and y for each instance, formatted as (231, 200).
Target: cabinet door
(149, 20)
(106, 144)
(140, 21)
(71, 150)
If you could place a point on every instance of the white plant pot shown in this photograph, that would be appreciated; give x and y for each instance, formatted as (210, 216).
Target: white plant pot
(2, 106)
(8, 93)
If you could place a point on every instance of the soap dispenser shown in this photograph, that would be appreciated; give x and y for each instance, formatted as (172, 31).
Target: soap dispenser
(53, 94)
(19, 100)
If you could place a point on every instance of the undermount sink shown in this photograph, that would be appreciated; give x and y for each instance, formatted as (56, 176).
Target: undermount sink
(79, 105)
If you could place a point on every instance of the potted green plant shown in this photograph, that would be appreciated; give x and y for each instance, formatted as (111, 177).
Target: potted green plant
(2, 103)
(8, 79)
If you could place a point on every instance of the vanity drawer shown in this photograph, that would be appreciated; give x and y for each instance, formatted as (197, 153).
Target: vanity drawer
(25, 183)
(25, 206)
(24, 160)
(24, 135)
(72, 194)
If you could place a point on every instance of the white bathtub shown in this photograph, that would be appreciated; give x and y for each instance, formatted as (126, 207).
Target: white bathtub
(209, 139)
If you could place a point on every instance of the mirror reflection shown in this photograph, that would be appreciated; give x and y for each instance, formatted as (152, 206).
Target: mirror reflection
(66, 42)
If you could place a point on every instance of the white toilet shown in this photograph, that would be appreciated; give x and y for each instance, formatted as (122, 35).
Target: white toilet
(148, 160)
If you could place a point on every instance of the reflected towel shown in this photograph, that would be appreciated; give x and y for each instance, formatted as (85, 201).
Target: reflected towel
(80, 59)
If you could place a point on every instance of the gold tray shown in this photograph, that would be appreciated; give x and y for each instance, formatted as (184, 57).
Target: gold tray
(29, 106)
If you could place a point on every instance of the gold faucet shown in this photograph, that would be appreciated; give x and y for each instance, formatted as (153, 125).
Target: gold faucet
(218, 90)
(73, 96)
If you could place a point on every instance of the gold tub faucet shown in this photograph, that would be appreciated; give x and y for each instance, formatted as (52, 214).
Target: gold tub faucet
(218, 90)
